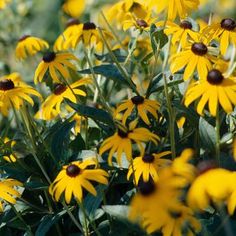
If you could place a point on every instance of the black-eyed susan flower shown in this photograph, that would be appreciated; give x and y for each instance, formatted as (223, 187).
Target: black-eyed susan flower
(225, 31)
(73, 27)
(55, 63)
(121, 142)
(13, 92)
(216, 90)
(75, 177)
(181, 32)
(213, 185)
(147, 166)
(3, 3)
(51, 107)
(74, 8)
(89, 35)
(193, 57)
(10, 157)
(175, 8)
(29, 45)
(8, 192)
(143, 106)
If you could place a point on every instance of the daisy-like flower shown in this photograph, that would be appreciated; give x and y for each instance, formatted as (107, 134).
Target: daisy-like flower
(74, 8)
(181, 32)
(225, 31)
(147, 166)
(215, 185)
(3, 3)
(175, 8)
(215, 90)
(121, 142)
(89, 35)
(52, 105)
(142, 105)
(55, 63)
(13, 92)
(73, 27)
(10, 157)
(75, 177)
(8, 192)
(29, 45)
(193, 57)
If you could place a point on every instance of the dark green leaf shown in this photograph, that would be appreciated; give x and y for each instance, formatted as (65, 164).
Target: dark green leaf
(118, 53)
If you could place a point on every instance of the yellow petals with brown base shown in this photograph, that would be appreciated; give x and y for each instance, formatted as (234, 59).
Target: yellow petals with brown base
(8, 192)
(215, 90)
(57, 64)
(75, 177)
(147, 166)
(29, 45)
(74, 8)
(216, 186)
(121, 142)
(143, 106)
(13, 92)
(193, 57)
(52, 105)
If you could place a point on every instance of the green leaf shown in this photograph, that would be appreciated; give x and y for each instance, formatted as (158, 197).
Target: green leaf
(47, 222)
(109, 71)
(92, 112)
(118, 53)
(119, 211)
(207, 135)
(35, 185)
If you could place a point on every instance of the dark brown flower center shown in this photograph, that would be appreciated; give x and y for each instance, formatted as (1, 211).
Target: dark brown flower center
(123, 133)
(59, 89)
(186, 24)
(206, 165)
(72, 21)
(148, 158)
(6, 84)
(137, 100)
(199, 49)
(142, 23)
(22, 38)
(146, 188)
(228, 24)
(215, 77)
(49, 56)
(72, 170)
(89, 26)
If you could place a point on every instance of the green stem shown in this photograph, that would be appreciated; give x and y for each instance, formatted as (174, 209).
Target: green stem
(171, 119)
(120, 68)
(218, 136)
(19, 216)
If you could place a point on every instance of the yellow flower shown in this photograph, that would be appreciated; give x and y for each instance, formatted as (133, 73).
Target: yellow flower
(3, 3)
(74, 8)
(75, 177)
(225, 31)
(73, 27)
(181, 33)
(29, 45)
(89, 35)
(175, 8)
(215, 90)
(121, 142)
(193, 57)
(55, 63)
(143, 106)
(7, 191)
(10, 157)
(52, 105)
(13, 92)
(147, 166)
(215, 185)
(234, 149)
